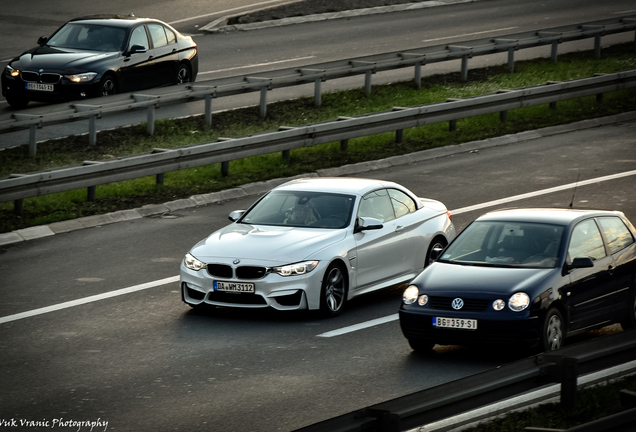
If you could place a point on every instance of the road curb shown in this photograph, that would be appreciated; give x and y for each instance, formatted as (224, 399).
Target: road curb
(220, 25)
(258, 188)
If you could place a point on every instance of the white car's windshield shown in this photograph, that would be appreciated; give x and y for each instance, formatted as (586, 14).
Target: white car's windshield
(88, 37)
(301, 209)
(506, 244)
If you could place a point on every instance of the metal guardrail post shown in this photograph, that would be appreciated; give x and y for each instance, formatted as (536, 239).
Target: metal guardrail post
(92, 130)
(263, 103)
(208, 110)
(563, 370)
(33, 145)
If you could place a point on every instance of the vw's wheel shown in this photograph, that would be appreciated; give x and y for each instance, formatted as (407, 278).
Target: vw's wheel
(183, 75)
(421, 346)
(334, 291)
(107, 86)
(438, 243)
(553, 331)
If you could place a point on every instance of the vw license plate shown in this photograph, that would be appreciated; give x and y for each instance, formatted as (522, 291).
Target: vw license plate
(456, 323)
(39, 87)
(233, 287)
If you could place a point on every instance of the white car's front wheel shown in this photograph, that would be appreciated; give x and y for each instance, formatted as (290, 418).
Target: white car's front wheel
(334, 290)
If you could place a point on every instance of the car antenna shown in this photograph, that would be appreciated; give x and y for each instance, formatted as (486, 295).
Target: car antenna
(574, 193)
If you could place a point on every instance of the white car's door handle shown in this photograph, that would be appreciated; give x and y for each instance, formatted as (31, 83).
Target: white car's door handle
(399, 228)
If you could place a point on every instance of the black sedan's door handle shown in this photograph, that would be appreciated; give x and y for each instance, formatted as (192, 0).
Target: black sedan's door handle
(610, 270)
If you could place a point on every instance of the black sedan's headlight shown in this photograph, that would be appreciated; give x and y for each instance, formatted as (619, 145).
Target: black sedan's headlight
(81, 78)
(11, 72)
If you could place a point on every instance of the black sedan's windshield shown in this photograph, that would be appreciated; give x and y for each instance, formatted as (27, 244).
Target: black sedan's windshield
(506, 244)
(88, 37)
(301, 209)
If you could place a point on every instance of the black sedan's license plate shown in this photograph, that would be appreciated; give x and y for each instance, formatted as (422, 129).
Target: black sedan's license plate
(233, 287)
(39, 87)
(456, 323)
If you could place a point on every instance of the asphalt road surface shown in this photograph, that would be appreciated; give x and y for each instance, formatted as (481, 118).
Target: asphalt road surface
(144, 361)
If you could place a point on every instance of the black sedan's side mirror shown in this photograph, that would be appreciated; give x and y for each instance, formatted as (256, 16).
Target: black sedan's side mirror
(367, 223)
(42, 40)
(135, 49)
(581, 262)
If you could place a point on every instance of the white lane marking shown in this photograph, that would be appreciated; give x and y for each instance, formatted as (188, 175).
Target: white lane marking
(360, 326)
(367, 324)
(256, 65)
(345, 330)
(543, 192)
(90, 299)
(469, 34)
(224, 11)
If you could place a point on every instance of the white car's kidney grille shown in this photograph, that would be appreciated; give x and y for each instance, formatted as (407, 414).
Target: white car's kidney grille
(220, 270)
(249, 272)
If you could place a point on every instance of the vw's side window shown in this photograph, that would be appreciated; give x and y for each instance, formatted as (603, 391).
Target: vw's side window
(586, 241)
(402, 203)
(616, 233)
(376, 205)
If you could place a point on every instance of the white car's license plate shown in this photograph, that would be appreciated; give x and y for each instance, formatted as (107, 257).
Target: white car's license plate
(39, 87)
(234, 287)
(457, 323)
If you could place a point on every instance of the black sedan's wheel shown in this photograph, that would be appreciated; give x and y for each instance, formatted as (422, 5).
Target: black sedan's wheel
(437, 243)
(421, 346)
(553, 331)
(183, 74)
(334, 291)
(18, 103)
(107, 86)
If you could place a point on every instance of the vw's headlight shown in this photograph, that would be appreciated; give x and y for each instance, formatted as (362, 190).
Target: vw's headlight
(519, 302)
(296, 269)
(410, 294)
(11, 72)
(192, 263)
(81, 78)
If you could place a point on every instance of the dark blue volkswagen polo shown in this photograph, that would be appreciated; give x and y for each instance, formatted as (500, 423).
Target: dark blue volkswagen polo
(525, 276)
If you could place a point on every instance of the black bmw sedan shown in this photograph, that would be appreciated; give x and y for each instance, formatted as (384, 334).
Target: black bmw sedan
(100, 55)
(525, 276)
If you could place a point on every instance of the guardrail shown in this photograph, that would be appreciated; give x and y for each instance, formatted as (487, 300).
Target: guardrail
(92, 173)
(93, 109)
(448, 400)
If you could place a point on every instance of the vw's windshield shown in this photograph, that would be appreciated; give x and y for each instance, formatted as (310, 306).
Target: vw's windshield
(301, 209)
(506, 244)
(88, 37)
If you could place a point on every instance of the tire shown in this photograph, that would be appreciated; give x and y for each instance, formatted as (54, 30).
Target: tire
(437, 242)
(630, 322)
(107, 86)
(553, 331)
(17, 103)
(421, 346)
(333, 293)
(183, 75)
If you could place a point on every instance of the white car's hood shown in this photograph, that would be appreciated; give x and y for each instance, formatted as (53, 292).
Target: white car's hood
(268, 244)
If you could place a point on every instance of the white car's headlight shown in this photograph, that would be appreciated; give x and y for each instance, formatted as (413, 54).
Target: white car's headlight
(192, 263)
(519, 302)
(296, 269)
(410, 294)
(82, 78)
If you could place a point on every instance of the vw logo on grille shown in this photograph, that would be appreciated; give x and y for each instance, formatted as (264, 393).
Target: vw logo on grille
(457, 304)
(236, 261)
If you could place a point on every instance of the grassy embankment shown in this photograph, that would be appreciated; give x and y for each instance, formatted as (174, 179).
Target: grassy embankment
(191, 131)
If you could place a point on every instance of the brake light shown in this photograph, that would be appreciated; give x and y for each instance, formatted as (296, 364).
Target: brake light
(450, 216)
